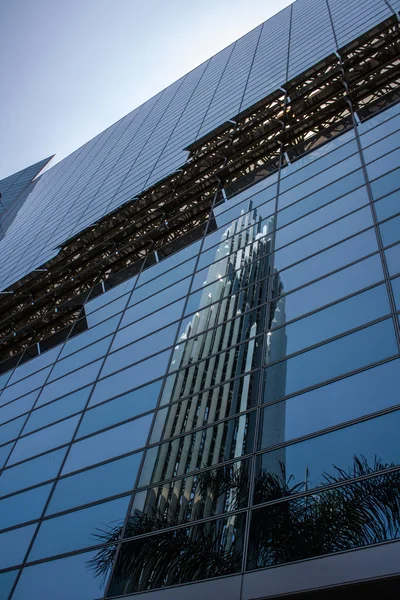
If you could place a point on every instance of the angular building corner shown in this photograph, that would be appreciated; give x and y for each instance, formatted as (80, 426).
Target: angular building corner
(199, 358)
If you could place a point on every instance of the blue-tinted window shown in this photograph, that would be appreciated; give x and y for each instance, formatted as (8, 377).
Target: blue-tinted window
(18, 407)
(78, 529)
(43, 440)
(366, 392)
(120, 409)
(77, 360)
(62, 579)
(57, 410)
(387, 207)
(110, 479)
(390, 231)
(114, 442)
(69, 383)
(10, 430)
(341, 356)
(6, 583)
(23, 507)
(31, 472)
(14, 544)
(393, 259)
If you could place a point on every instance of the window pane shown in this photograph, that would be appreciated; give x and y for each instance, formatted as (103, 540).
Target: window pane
(327, 290)
(119, 440)
(57, 410)
(23, 507)
(62, 579)
(388, 206)
(6, 583)
(10, 430)
(179, 557)
(332, 521)
(393, 259)
(351, 352)
(122, 408)
(78, 529)
(18, 407)
(31, 472)
(324, 324)
(45, 439)
(110, 479)
(343, 400)
(390, 231)
(14, 544)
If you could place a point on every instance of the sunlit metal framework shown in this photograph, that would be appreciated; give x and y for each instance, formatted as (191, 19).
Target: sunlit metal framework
(330, 98)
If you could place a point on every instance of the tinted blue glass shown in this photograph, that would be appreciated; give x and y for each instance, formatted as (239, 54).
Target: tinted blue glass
(14, 544)
(390, 231)
(6, 583)
(77, 360)
(321, 217)
(149, 324)
(155, 302)
(69, 383)
(374, 442)
(134, 376)
(114, 442)
(314, 201)
(57, 410)
(367, 392)
(17, 407)
(23, 507)
(79, 529)
(332, 321)
(89, 336)
(10, 430)
(324, 237)
(396, 291)
(120, 409)
(24, 386)
(4, 452)
(34, 365)
(329, 260)
(389, 206)
(43, 440)
(110, 479)
(387, 183)
(31, 472)
(109, 310)
(341, 356)
(393, 259)
(140, 350)
(329, 289)
(62, 579)
(383, 165)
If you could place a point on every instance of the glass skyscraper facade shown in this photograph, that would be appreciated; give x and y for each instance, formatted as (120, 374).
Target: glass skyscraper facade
(200, 333)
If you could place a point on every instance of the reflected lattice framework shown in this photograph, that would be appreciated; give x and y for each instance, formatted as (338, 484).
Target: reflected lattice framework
(330, 98)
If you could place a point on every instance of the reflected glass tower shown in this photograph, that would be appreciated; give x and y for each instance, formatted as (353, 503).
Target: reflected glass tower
(199, 331)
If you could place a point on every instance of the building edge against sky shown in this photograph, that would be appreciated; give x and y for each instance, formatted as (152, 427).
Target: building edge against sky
(200, 332)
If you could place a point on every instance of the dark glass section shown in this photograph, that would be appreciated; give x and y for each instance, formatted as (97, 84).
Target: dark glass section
(14, 544)
(202, 551)
(339, 519)
(63, 579)
(350, 398)
(113, 478)
(207, 447)
(79, 529)
(330, 360)
(318, 461)
(6, 583)
(23, 507)
(206, 494)
(31, 472)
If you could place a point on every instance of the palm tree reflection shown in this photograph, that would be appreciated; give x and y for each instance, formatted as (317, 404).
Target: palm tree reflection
(336, 519)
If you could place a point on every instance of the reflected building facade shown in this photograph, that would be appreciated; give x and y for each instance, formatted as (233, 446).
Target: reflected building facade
(199, 356)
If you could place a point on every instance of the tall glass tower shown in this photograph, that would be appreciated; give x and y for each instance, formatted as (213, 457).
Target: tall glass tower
(199, 332)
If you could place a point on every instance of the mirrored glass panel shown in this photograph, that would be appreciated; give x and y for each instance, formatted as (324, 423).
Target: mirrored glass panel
(79, 529)
(393, 259)
(72, 577)
(341, 356)
(120, 409)
(31, 472)
(335, 520)
(17, 407)
(14, 544)
(6, 583)
(207, 447)
(390, 231)
(57, 410)
(324, 324)
(113, 478)
(389, 206)
(113, 442)
(179, 556)
(367, 392)
(23, 507)
(343, 454)
(206, 494)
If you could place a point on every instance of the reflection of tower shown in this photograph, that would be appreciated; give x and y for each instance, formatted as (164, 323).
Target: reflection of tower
(210, 352)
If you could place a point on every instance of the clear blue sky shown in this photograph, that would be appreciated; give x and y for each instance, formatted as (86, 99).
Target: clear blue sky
(71, 68)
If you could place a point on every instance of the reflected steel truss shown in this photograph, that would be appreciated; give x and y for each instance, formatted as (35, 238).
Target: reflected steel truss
(311, 109)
